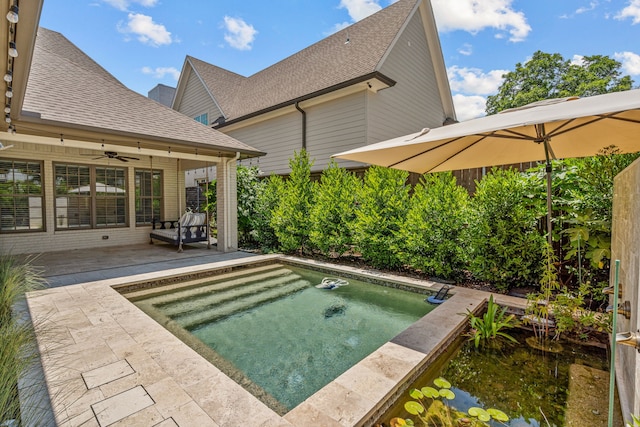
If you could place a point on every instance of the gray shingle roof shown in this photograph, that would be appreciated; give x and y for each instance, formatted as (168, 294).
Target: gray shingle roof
(66, 88)
(322, 65)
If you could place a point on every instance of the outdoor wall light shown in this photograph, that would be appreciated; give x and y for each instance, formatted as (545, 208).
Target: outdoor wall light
(9, 92)
(12, 16)
(13, 52)
(8, 77)
(631, 339)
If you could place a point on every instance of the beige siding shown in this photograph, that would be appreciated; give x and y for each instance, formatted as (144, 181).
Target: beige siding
(52, 240)
(336, 126)
(414, 102)
(278, 137)
(196, 100)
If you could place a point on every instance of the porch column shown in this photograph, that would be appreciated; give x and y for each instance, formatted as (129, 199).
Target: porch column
(227, 206)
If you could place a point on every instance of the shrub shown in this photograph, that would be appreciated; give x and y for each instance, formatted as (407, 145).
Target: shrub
(433, 234)
(506, 247)
(249, 188)
(267, 201)
(290, 219)
(383, 201)
(333, 213)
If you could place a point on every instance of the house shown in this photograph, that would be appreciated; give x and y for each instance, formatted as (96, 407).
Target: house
(381, 77)
(86, 162)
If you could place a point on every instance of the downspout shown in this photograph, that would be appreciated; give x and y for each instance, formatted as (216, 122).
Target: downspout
(304, 125)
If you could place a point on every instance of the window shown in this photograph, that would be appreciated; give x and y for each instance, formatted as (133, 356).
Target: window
(21, 198)
(202, 118)
(148, 195)
(90, 196)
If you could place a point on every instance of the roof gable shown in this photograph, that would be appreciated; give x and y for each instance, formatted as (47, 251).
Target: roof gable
(352, 53)
(67, 89)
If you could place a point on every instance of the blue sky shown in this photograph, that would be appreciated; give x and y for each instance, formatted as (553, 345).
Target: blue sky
(144, 42)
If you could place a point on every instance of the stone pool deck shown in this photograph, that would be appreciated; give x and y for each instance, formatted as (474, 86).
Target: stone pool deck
(106, 363)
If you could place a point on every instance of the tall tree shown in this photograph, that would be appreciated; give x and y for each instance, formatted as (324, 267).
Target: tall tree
(548, 75)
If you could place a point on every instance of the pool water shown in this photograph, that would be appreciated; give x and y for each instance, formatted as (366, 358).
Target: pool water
(283, 335)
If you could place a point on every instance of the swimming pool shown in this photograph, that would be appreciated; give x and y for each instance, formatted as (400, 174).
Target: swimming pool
(275, 333)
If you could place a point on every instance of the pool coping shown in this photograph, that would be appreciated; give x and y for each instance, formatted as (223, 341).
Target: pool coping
(105, 362)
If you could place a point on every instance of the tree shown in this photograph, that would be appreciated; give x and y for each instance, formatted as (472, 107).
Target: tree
(266, 203)
(249, 188)
(547, 76)
(291, 218)
(383, 201)
(333, 212)
(433, 235)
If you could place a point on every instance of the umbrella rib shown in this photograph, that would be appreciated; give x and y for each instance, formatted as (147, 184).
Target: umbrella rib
(433, 148)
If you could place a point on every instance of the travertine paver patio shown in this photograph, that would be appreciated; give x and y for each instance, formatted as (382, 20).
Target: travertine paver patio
(108, 363)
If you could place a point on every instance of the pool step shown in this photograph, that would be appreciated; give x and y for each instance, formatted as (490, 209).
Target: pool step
(193, 320)
(215, 297)
(184, 286)
(193, 293)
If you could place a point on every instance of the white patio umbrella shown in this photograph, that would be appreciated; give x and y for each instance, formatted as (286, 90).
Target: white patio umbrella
(556, 128)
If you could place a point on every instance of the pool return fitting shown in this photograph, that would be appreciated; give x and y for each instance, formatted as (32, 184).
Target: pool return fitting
(624, 309)
(631, 339)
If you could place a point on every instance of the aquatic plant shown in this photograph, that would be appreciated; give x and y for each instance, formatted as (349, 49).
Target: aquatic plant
(430, 406)
(490, 326)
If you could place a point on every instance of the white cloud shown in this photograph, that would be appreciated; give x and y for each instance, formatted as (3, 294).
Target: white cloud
(474, 16)
(469, 107)
(591, 6)
(577, 60)
(360, 9)
(161, 72)
(632, 11)
(474, 81)
(466, 49)
(124, 4)
(630, 62)
(148, 32)
(240, 35)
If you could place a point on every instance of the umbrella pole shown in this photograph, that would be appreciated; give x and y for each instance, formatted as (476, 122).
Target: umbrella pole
(549, 168)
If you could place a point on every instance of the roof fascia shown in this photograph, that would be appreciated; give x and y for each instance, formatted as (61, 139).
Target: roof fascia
(57, 130)
(182, 83)
(206, 88)
(435, 48)
(373, 81)
(25, 37)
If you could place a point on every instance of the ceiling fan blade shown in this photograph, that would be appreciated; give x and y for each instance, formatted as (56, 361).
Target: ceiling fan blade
(98, 158)
(127, 157)
(122, 159)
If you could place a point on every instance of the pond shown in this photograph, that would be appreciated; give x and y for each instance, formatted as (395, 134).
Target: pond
(530, 386)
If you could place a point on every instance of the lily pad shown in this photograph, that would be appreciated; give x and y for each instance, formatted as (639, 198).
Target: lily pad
(442, 383)
(430, 392)
(447, 394)
(414, 408)
(498, 415)
(416, 394)
(480, 413)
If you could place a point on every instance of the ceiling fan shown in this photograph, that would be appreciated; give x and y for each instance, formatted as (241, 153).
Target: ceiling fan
(114, 155)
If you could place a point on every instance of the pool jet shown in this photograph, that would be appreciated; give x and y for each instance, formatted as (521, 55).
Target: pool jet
(631, 339)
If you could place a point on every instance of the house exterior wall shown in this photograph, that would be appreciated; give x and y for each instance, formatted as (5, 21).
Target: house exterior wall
(278, 137)
(59, 240)
(625, 246)
(196, 100)
(414, 102)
